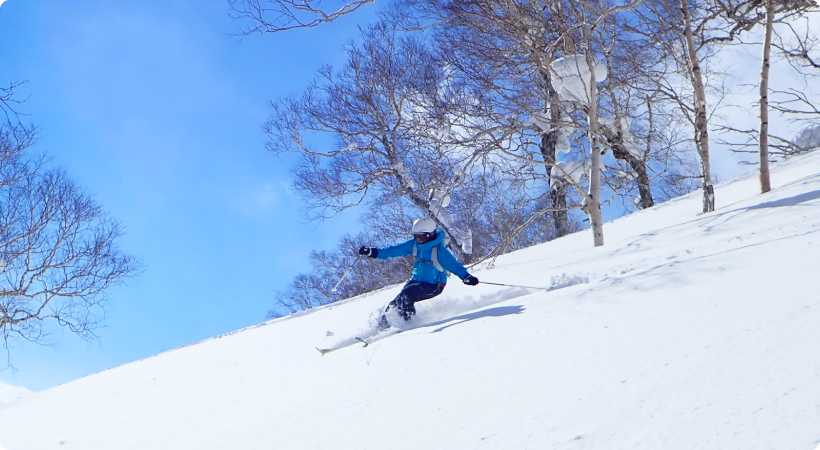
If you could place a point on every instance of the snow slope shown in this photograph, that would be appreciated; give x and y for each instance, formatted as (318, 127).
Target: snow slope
(693, 332)
(9, 393)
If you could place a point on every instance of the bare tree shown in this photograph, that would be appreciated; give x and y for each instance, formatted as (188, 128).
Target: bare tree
(791, 8)
(58, 252)
(503, 50)
(506, 50)
(587, 18)
(802, 49)
(745, 15)
(765, 181)
(687, 34)
(271, 16)
(692, 32)
(9, 102)
(402, 132)
(796, 49)
(701, 123)
(627, 101)
(496, 228)
(324, 285)
(641, 127)
(403, 128)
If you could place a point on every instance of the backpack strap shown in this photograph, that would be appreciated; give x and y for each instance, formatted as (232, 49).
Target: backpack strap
(433, 257)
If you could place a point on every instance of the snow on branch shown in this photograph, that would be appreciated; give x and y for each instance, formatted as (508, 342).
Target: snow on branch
(572, 76)
(808, 138)
(571, 170)
(439, 200)
(618, 132)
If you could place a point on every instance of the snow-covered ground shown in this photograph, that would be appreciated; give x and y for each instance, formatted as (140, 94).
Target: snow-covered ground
(692, 332)
(9, 393)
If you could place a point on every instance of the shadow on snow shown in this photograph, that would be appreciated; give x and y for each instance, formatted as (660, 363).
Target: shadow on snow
(491, 312)
(790, 201)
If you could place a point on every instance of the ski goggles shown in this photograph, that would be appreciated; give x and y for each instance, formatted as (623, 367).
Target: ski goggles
(422, 238)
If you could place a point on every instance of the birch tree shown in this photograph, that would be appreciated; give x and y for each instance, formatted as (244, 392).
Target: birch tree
(504, 49)
(701, 122)
(765, 177)
(748, 16)
(586, 71)
(58, 249)
(388, 110)
(799, 43)
(508, 48)
(688, 36)
(771, 9)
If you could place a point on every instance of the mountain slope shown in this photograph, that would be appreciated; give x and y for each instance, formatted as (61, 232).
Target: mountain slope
(693, 332)
(9, 393)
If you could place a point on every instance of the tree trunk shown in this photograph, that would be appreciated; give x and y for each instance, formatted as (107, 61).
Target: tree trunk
(560, 217)
(619, 151)
(404, 180)
(558, 196)
(593, 204)
(642, 180)
(701, 123)
(765, 182)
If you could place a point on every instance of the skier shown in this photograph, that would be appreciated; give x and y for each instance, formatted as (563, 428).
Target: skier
(429, 277)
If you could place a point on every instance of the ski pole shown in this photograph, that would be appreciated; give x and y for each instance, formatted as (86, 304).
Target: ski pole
(346, 272)
(515, 285)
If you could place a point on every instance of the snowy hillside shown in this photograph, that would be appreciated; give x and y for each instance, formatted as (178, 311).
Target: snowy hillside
(693, 332)
(9, 393)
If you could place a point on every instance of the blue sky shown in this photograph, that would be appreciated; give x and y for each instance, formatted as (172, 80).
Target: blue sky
(156, 109)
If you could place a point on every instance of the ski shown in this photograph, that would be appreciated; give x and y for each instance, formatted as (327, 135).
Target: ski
(379, 334)
(367, 340)
(357, 339)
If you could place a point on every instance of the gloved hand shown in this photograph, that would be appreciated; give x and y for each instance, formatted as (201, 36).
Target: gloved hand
(368, 251)
(470, 280)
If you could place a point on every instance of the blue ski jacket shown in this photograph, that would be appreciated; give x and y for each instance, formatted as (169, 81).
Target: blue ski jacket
(424, 269)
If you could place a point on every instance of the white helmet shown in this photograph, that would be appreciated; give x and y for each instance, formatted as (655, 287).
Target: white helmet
(424, 225)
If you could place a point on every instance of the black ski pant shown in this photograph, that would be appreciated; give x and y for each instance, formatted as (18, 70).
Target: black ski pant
(412, 292)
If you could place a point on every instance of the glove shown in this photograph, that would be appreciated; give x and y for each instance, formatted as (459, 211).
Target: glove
(470, 280)
(368, 251)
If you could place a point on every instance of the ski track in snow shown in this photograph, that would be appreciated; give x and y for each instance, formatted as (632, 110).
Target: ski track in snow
(685, 331)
